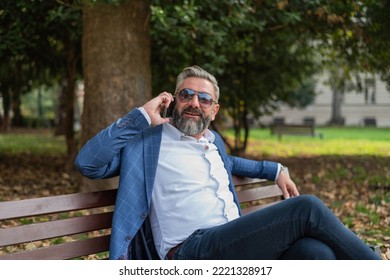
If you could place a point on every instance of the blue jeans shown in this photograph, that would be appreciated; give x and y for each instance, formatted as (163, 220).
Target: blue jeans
(297, 228)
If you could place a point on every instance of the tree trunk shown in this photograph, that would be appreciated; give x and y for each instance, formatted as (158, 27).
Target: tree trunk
(337, 101)
(6, 106)
(17, 119)
(69, 104)
(116, 62)
(60, 110)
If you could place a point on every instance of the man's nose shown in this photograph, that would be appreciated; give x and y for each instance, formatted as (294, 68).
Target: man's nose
(195, 102)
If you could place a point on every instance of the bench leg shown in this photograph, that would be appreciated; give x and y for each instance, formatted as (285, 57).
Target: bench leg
(376, 249)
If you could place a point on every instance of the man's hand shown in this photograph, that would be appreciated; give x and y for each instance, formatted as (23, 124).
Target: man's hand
(287, 186)
(154, 107)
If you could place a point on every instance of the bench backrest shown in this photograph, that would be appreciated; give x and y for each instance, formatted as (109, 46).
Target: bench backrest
(78, 225)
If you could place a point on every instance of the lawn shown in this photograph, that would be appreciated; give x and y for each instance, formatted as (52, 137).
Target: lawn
(32, 141)
(336, 141)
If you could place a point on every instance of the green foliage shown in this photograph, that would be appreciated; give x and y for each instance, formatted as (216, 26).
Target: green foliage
(36, 37)
(33, 35)
(262, 53)
(267, 52)
(112, 2)
(377, 39)
(33, 110)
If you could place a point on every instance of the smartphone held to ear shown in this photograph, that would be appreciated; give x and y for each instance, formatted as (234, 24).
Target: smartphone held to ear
(167, 112)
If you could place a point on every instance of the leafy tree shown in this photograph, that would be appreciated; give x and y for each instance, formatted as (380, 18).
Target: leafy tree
(259, 50)
(262, 52)
(360, 46)
(265, 52)
(376, 38)
(40, 45)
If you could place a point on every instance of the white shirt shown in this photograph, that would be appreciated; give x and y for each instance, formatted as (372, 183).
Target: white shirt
(191, 189)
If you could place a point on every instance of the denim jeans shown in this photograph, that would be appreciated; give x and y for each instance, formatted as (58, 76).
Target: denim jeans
(301, 227)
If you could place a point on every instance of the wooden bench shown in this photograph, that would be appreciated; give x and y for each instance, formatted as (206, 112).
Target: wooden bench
(294, 129)
(77, 226)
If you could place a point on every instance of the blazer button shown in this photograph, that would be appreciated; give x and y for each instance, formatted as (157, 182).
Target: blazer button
(128, 238)
(143, 216)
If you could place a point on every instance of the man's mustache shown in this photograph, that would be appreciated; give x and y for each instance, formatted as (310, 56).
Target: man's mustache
(193, 111)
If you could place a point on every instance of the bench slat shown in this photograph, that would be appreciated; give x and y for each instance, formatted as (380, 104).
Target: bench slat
(250, 209)
(259, 193)
(64, 251)
(46, 230)
(55, 204)
(242, 181)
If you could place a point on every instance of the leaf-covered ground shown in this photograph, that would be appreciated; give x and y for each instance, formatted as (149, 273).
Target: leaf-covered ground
(357, 189)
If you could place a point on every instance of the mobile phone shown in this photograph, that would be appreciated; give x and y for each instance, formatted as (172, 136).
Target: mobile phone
(167, 112)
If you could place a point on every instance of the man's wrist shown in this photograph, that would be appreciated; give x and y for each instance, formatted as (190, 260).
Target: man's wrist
(281, 168)
(145, 114)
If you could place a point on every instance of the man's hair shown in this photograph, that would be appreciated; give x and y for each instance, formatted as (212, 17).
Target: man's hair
(197, 72)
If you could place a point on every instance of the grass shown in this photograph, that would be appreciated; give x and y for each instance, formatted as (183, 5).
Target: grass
(336, 141)
(32, 142)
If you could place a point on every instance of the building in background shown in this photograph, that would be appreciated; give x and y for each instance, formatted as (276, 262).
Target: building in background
(368, 108)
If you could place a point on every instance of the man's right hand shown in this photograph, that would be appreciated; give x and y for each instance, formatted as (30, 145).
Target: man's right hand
(287, 186)
(154, 107)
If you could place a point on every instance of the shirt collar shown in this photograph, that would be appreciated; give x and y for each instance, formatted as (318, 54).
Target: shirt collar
(173, 133)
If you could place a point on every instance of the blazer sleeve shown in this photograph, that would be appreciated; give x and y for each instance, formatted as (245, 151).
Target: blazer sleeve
(99, 158)
(254, 169)
(243, 167)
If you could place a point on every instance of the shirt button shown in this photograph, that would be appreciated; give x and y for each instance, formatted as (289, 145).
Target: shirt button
(206, 147)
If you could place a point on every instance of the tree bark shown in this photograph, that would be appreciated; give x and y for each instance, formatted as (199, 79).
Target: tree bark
(69, 107)
(116, 64)
(61, 110)
(17, 119)
(6, 106)
(337, 101)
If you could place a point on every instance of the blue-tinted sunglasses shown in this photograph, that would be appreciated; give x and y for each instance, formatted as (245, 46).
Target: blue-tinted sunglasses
(186, 95)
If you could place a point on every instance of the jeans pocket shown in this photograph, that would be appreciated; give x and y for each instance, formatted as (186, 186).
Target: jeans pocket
(184, 252)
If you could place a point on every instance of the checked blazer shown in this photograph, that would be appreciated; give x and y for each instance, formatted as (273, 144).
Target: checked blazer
(129, 148)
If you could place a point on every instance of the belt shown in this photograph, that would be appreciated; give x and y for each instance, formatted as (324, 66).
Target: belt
(172, 251)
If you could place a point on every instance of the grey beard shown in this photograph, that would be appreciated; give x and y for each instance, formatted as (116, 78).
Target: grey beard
(189, 126)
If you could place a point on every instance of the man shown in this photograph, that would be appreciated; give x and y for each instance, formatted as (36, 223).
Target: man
(176, 199)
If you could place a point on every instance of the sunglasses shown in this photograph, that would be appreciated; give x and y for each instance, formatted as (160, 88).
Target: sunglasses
(186, 95)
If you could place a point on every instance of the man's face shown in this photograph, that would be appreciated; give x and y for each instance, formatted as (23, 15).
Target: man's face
(191, 117)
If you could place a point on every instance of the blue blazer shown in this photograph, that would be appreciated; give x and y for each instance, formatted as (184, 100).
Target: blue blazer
(130, 148)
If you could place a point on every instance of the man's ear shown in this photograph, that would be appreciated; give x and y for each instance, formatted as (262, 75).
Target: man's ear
(214, 111)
